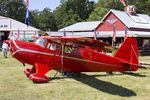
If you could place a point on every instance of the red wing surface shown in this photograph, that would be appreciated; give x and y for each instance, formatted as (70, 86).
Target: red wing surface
(91, 43)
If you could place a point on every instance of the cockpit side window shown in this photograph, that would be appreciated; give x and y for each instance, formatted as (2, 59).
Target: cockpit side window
(51, 46)
(41, 42)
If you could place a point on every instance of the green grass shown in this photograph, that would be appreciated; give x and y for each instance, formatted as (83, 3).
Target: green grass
(14, 85)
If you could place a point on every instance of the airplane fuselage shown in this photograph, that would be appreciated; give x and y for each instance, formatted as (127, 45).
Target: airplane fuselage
(83, 60)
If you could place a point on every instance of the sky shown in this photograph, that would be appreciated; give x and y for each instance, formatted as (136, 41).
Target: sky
(41, 4)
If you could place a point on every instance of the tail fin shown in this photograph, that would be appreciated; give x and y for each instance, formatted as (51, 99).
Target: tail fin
(128, 51)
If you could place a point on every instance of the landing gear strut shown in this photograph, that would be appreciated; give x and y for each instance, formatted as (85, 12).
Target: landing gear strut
(71, 74)
(29, 71)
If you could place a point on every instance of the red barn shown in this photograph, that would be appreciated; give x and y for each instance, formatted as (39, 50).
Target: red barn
(123, 23)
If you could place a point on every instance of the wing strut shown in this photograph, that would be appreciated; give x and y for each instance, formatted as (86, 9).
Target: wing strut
(62, 57)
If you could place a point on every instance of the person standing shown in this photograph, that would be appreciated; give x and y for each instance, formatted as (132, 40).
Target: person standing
(5, 49)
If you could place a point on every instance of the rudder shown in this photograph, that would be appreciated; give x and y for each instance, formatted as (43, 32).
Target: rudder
(128, 51)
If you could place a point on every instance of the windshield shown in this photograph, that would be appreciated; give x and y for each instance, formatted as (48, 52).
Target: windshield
(41, 42)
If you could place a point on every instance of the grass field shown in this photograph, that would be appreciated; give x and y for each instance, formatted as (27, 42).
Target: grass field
(90, 86)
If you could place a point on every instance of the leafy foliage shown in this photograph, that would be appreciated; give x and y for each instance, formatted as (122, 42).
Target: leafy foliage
(68, 12)
(43, 20)
(34, 18)
(72, 11)
(143, 6)
(103, 6)
(13, 8)
(47, 20)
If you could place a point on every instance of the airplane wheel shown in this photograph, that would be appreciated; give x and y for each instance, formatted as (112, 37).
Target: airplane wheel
(27, 72)
(71, 74)
(38, 78)
(109, 73)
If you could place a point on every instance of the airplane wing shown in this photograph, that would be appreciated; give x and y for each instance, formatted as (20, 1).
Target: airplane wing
(91, 43)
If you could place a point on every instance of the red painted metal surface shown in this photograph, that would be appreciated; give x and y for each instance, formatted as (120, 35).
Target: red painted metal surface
(81, 58)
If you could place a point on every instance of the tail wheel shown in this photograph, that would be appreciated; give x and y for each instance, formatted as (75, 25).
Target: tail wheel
(39, 78)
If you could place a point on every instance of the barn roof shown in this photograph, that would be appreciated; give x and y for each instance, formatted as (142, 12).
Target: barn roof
(141, 21)
(82, 26)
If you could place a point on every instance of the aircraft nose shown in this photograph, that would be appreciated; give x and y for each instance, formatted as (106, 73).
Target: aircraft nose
(12, 46)
(7, 41)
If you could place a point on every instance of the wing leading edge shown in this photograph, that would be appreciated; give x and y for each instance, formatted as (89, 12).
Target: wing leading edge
(93, 44)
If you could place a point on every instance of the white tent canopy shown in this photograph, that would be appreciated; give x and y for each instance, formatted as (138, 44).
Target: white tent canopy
(8, 24)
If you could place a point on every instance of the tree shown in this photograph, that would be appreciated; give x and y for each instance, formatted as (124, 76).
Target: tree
(3, 7)
(47, 21)
(81, 7)
(102, 7)
(13, 8)
(72, 11)
(34, 18)
(71, 18)
(141, 5)
(68, 12)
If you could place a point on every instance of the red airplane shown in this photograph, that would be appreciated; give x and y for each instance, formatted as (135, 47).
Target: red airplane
(73, 54)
